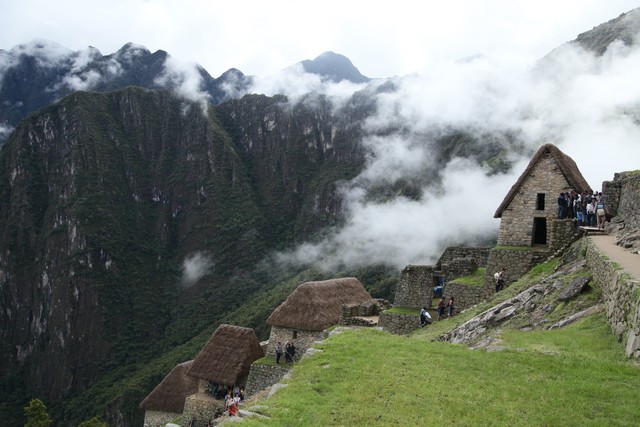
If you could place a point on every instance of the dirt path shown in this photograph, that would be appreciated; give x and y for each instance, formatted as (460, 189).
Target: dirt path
(630, 262)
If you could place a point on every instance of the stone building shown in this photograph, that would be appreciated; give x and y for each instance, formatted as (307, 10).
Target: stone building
(166, 401)
(310, 309)
(530, 230)
(225, 361)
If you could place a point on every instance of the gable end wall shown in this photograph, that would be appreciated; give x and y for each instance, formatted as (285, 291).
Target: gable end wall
(516, 225)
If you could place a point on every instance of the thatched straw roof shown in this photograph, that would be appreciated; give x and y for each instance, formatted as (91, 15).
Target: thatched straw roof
(566, 164)
(228, 355)
(314, 306)
(169, 395)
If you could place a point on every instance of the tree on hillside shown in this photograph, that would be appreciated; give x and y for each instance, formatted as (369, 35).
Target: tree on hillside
(93, 422)
(36, 413)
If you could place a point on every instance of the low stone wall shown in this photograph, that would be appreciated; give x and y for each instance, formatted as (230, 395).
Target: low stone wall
(621, 297)
(399, 324)
(562, 232)
(301, 339)
(452, 252)
(263, 376)
(201, 407)
(516, 263)
(465, 295)
(158, 418)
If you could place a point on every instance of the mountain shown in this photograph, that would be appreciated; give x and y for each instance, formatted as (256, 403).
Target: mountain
(134, 219)
(39, 73)
(623, 28)
(334, 67)
(102, 197)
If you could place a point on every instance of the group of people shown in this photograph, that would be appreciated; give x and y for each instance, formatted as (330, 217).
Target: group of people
(221, 391)
(586, 208)
(289, 352)
(449, 306)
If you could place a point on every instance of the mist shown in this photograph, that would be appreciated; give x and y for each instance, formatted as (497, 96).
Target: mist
(195, 267)
(589, 106)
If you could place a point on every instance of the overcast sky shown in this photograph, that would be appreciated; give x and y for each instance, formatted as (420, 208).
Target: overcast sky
(382, 39)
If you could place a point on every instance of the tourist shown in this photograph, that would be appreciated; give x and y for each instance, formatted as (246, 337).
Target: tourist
(499, 279)
(290, 352)
(562, 206)
(278, 352)
(451, 305)
(440, 308)
(601, 213)
(424, 315)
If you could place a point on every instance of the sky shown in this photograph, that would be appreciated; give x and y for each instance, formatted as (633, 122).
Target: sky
(469, 66)
(382, 39)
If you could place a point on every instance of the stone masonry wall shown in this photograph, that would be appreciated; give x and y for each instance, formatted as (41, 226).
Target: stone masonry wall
(562, 232)
(452, 252)
(622, 197)
(399, 324)
(415, 287)
(302, 340)
(465, 295)
(158, 418)
(514, 262)
(516, 225)
(201, 407)
(621, 297)
(263, 376)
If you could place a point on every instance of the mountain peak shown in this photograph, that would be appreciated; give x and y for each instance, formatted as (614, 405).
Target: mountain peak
(335, 67)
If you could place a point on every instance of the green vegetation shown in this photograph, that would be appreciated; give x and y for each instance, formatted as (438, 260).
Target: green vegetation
(36, 414)
(474, 279)
(367, 377)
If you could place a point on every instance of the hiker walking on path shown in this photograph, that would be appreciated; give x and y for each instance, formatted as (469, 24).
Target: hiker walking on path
(424, 315)
(601, 213)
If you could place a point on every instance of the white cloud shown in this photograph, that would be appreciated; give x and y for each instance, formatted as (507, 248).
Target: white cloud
(185, 79)
(589, 106)
(195, 267)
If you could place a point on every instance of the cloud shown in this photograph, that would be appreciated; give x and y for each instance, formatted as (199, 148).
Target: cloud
(587, 105)
(185, 79)
(296, 83)
(195, 267)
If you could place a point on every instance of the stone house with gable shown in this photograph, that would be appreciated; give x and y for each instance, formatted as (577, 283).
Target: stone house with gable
(310, 309)
(166, 401)
(530, 230)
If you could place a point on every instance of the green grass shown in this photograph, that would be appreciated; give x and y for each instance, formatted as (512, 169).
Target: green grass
(474, 279)
(576, 376)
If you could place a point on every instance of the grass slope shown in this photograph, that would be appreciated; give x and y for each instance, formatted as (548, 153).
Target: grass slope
(576, 376)
(573, 376)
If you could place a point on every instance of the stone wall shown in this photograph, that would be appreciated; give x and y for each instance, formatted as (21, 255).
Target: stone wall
(514, 262)
(400, 324)
(158, 418)
(263, 376)
(415, 287)
(621, 299)
(480, 255)
(301, 339)
(465, 295)
(562, 233)
(201, 407)
(622, 197)
(516, 225)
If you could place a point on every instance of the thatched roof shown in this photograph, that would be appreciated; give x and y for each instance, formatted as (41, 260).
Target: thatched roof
(169, 395)
(314, 306)
(566, 164)
(228, 355)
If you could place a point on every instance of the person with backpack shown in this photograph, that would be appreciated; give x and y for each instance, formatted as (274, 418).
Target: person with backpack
(451, 305)
(441, 306)
(499, 279)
